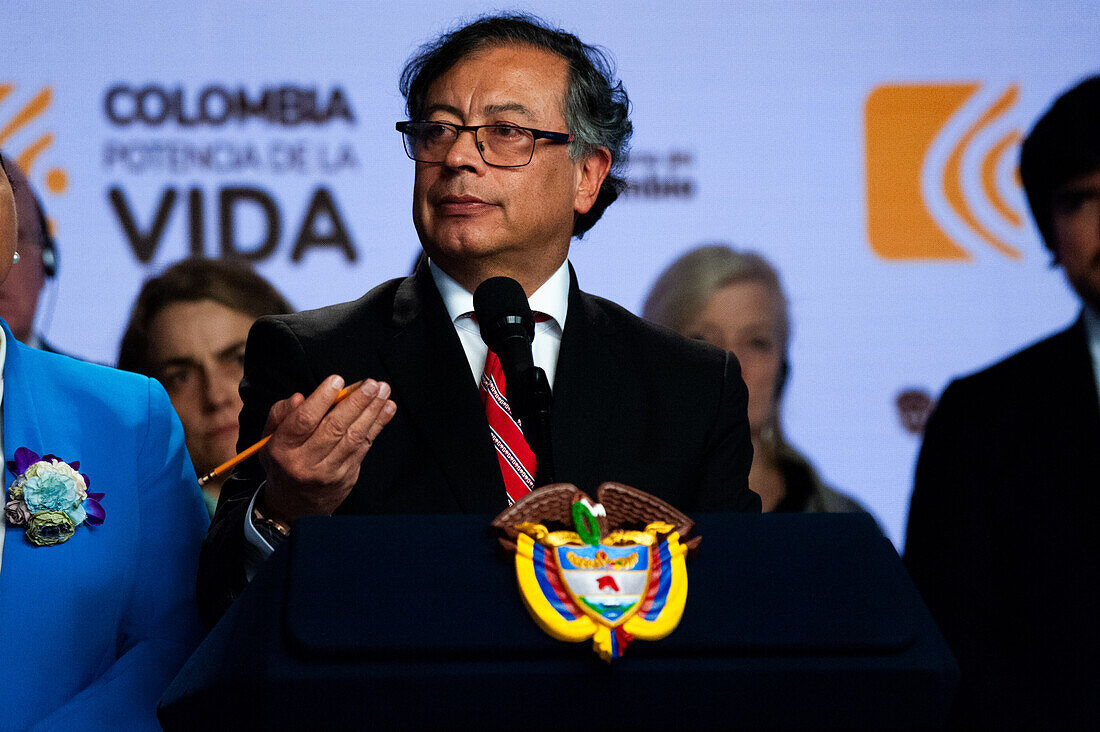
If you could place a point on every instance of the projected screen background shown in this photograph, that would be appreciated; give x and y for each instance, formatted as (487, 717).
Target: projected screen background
(868, 150)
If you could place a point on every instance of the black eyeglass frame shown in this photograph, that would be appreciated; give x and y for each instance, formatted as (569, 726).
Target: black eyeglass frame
(559, 137)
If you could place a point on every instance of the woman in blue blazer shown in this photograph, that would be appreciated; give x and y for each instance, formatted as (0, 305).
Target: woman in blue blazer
(95, 625)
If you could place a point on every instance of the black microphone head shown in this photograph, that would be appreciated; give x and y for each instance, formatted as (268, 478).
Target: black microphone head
(502, 309)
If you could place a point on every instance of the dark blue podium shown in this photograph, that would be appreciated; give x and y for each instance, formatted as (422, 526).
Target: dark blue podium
(804, 621)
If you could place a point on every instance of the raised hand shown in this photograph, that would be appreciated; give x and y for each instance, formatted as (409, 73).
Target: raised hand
(312, 460)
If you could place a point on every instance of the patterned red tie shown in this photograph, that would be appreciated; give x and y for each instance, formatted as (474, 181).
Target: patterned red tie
(517, 461)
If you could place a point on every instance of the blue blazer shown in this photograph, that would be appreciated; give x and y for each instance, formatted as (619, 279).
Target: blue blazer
(92, 630)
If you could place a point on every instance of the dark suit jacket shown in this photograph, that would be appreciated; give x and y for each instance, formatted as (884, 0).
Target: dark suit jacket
(632, 403)
(1003, 540)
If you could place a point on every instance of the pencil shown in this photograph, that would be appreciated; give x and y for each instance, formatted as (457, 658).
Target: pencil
(250, 451)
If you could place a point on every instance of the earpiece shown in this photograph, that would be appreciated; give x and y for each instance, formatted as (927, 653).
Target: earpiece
(49, 245)
(781, 378)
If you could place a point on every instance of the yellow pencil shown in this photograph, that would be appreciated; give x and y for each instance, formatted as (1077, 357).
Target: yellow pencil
(250, 451)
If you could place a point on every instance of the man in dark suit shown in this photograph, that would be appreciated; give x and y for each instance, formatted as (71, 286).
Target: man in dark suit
(1002, 539)
(517, 131)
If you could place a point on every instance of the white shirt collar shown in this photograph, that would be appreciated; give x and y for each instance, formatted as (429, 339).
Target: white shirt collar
(552, 297)
(3, 361)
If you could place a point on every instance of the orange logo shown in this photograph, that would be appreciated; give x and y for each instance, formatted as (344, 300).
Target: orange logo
(941, 172)
(55, 180)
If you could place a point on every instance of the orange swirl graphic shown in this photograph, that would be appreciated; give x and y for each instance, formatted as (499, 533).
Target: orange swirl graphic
(989, 178)
(26, 159)
(902, 122)
(32, 109)
(56, 179)
(952, 174)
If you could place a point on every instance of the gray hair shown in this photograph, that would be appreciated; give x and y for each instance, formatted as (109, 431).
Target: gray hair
(683, 289)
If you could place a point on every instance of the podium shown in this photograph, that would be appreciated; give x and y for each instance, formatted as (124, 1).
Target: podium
(792, 621)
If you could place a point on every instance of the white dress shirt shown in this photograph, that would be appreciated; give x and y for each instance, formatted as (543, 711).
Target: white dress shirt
(3, 469)
(1092, 333)
(551, 300)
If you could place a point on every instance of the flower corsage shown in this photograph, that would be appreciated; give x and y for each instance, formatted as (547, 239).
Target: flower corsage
(50, 498)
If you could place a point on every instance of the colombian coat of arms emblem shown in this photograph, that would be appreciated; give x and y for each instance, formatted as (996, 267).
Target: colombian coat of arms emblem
(616, 573)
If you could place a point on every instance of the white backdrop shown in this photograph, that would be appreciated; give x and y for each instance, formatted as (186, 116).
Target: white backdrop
(867, 149)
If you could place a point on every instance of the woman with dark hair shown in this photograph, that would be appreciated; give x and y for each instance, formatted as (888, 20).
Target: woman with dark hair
(188, 329)
(734, 300)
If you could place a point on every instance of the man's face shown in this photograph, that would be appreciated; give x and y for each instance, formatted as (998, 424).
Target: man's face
(197, 352)
(1077, 234)
(475, 220)
(19, 291)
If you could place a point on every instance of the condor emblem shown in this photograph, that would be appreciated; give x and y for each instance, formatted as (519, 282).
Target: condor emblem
(602, 579)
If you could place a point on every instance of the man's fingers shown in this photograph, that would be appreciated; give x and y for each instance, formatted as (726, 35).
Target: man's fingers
(303, 419)
(336, 423)
(317, 469)
(279, 410)
(360, 434)
(330, 443)
(385, 414)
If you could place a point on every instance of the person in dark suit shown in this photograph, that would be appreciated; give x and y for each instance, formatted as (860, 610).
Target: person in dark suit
(1002, 541)
(518, 131)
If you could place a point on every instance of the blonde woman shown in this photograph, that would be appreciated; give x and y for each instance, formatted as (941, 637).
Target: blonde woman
(734, 300)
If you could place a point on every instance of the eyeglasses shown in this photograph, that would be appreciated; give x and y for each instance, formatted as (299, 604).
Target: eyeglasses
(502, 146)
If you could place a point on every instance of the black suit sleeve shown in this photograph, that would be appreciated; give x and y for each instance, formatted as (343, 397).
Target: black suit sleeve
(275, 367)
(950, 545)
(724, 483)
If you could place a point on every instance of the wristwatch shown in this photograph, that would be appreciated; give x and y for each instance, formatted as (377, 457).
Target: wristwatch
(273, 531)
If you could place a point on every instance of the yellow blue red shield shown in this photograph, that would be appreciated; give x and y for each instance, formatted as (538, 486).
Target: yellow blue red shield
(632, 584)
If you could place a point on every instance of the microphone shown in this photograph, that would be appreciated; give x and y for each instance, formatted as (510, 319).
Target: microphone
(507, 327)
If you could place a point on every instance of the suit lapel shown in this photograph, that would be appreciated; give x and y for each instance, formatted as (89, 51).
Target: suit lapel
(20, 430)
(20, 414)
(431, 380)
(585, 392)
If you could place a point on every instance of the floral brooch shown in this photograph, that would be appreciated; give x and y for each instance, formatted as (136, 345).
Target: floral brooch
(50, 498)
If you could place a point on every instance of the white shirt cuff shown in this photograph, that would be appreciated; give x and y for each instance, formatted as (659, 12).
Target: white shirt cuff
(259, 549)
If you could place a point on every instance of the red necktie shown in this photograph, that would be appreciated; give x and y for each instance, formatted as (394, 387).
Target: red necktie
(517, 461)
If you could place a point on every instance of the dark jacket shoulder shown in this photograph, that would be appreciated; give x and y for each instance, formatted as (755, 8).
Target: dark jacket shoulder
(674, 349)
(1018, 371)
(322, 324)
